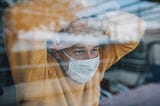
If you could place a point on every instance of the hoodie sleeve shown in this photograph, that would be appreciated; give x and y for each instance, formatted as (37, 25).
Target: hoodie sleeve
(24, 55)
(29, 54)
(124, 33)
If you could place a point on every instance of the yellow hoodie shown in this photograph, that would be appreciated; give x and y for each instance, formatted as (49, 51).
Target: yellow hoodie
(38, 78)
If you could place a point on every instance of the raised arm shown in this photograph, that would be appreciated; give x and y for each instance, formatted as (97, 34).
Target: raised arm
(23, 55)
(124, 33)
(26, 55)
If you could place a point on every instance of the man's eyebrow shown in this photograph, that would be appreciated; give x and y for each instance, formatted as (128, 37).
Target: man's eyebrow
(81, 47)
(96, 46)
(77, 47)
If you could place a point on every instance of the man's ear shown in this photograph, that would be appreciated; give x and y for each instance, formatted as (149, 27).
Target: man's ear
(57, 54)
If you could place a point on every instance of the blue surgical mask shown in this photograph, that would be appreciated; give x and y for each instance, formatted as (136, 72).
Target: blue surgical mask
(82, 70)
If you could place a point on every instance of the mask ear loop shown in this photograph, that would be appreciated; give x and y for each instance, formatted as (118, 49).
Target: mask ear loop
(66, 54)
(64, 68)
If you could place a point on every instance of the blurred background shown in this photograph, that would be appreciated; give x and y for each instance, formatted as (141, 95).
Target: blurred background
(138, 68)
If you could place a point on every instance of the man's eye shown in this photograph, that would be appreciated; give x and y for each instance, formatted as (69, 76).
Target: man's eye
(78, 52)
(94, 50)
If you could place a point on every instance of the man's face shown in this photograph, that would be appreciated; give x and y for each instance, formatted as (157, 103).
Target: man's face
(80, 52)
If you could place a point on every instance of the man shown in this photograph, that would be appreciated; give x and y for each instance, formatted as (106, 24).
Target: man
(79, 50)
